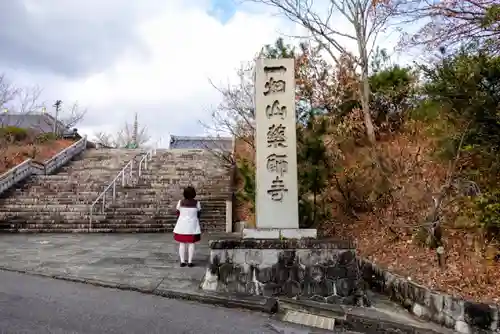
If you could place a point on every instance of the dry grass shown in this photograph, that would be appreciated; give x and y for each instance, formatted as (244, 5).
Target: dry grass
(14, 154)
(470, 271)
(467, 273)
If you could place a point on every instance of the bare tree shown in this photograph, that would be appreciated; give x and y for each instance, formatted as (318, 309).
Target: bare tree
(450, 23)
(7, 91)
(124, 138)
(71, 116)
(318, 84)
(235, 115)
(366, 18)
(18, 101)
(27, 101)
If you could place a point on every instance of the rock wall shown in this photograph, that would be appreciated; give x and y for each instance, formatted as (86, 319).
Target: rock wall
(321, 270)
(329, 271)
(461, 315)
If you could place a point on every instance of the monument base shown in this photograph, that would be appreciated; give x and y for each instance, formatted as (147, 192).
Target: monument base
(319, 270)
(279, 233)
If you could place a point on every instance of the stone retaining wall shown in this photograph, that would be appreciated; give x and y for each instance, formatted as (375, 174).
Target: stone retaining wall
(30, 167)
(329, 271)
(460, 315)
(320, 270)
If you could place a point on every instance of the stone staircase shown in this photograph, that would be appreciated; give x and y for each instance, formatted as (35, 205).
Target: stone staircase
(60, 202)
(149, 204)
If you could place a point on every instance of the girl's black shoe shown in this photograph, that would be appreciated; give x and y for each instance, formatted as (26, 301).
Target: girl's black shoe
(190, 265)
(183, 264)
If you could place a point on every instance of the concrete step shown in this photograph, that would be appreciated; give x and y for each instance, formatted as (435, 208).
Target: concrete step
(97, 177)
(200, 188)
(155, 204)
(141, 203)
(76, 198)
(104, 227)
(178, 187)
(114, 229)
(158, 211)
(88, 191)
(61, 193)
(47, 200)
(49, 219)
(47, 216)
(85, 192)
(68, 184)
(48, 196)
(45, 207)
(163, 218)
(211, 177)
(62, 215)
(174, 176)
(82, 182)
(173, 189)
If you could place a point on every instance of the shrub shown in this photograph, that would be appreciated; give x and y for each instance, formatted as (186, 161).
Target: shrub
(45, 137)
(13, 133)
(489, 213)
(246, 173)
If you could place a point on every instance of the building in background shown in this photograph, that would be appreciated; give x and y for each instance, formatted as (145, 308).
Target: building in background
(37, 123)
(206, 143)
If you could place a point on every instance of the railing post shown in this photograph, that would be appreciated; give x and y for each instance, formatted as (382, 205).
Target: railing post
(131, 167)
(123, 178)
(103, 202)
(140, 165)
(90, 219)
(114, 191)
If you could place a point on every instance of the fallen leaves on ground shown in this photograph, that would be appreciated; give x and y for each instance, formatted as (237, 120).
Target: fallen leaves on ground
(467, 274)
(15, 154)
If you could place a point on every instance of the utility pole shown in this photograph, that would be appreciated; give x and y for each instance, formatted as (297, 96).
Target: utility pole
(58, 108)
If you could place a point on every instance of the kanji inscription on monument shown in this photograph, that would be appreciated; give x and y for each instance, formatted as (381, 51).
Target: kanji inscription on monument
(276, 144)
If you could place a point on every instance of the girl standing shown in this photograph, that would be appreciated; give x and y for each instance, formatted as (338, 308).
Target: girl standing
(187, 229)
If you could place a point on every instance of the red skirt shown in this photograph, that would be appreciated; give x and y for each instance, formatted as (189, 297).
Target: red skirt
(187, 238)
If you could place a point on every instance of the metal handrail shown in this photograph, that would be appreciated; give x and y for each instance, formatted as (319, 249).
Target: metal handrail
(121, 174)
(148, 156)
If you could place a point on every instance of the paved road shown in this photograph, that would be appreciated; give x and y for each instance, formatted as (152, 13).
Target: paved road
(30, 304)
(145, 261)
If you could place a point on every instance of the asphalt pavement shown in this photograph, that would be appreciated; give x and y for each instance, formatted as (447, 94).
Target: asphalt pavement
(31, 304)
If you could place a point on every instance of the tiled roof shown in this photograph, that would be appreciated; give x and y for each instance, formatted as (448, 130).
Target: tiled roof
(208, 143)
(37, 122)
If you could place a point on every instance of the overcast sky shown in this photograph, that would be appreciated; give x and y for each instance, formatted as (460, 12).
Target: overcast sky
(116, 57)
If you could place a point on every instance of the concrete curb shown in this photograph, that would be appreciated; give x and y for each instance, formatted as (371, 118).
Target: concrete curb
(357, 319)
(253, 303)
(346, 318)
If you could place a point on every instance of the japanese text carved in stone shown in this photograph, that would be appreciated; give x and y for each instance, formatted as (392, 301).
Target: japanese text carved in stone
(277, 163)
(277, 189)
(276, 136)
(276, 110)
(274, 86)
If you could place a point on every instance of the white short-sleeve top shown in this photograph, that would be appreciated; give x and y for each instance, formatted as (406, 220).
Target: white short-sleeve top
(188, 222)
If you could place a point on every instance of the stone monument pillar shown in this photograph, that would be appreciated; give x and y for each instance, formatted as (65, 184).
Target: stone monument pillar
(277, 210)
(278, 258)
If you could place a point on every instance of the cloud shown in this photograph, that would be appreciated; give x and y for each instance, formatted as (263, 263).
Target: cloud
(118, 57)
(70, 38)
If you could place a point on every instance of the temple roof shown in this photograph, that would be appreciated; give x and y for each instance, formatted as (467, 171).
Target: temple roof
(208, 143)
